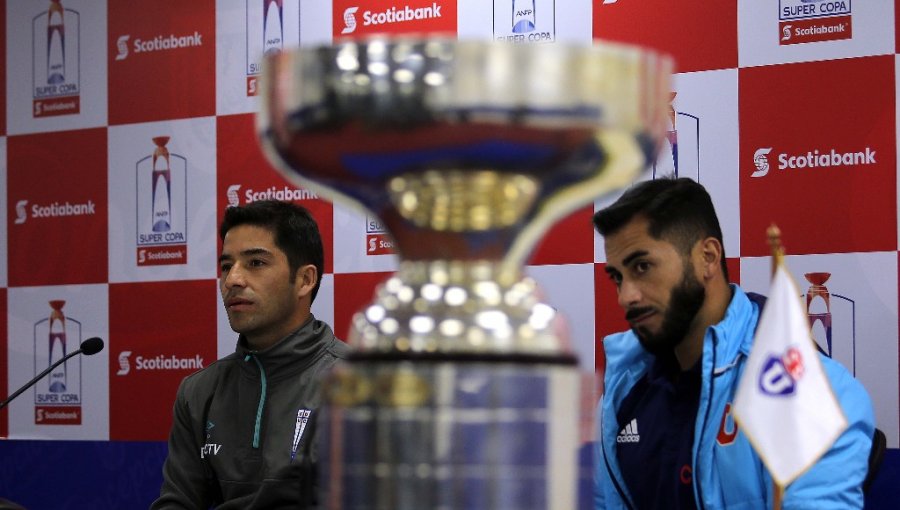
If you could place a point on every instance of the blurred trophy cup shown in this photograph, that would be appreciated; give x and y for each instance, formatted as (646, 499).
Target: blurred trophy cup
(463, 390)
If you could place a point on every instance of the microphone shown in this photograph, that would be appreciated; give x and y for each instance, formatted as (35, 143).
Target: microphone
(90, 346)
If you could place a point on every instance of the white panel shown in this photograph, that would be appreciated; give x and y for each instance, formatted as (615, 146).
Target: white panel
(570, 290)
(706, 131)
(193, 142)
(86, 311)
(315, 22)
(352, 229)
(243, 34)
(84, 62)
(863, 305)
(759, 33)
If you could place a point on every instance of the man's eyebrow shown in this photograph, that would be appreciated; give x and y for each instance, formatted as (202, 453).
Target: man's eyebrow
(634, 255)
(246, 253)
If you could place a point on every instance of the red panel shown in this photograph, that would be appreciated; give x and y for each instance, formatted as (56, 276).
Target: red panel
(571, 241)
(162, 60)
(57, 209)
(826, 152)
(357, 18)
(351, 293)
(245, 175)
(159, 333)
(734, 269)
(700, 35)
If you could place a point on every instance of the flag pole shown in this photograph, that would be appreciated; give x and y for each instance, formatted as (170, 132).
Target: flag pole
(774, 234)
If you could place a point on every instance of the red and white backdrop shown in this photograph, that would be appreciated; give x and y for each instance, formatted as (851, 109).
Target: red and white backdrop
(786, 110)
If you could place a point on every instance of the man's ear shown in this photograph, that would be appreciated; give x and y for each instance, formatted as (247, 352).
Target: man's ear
(711, 253)
(305, 281)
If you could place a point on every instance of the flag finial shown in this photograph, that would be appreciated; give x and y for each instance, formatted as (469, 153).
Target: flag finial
(774, 234)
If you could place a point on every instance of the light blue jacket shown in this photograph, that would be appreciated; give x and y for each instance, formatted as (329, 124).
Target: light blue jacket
(727, 473)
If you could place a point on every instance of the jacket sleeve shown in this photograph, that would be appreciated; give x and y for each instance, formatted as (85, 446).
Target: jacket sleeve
(599, 461)
(185, 484)
(835, 481)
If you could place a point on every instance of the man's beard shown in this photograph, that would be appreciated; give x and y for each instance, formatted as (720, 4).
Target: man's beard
(686, 299)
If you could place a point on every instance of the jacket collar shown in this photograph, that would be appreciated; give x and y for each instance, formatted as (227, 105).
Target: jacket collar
(292, 353)
(734, 333)
(624, 353)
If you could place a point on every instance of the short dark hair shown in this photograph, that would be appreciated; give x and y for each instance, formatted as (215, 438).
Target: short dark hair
(295, 230)
(678, 210)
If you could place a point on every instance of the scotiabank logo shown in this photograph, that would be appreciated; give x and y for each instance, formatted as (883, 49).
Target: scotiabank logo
(761, 161)
(282, 193)
(392, 15)
(54, 210)
(812, 160)
(55, 68)
(158, 43)
(379, 244)
(350, 20)
(804, 21)
(159, 362)
(122, 46)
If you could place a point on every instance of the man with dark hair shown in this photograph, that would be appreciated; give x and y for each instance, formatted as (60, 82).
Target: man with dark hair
(243, 427)
(666, 435)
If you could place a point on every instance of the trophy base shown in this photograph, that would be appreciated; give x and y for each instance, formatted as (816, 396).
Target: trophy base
(477, 435)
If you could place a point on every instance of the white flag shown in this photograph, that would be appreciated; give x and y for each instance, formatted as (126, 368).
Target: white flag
(784, 402)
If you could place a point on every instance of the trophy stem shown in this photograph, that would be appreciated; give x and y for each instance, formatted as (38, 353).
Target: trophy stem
(623, 153)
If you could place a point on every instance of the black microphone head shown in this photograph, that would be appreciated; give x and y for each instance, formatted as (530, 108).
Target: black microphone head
(92, 345)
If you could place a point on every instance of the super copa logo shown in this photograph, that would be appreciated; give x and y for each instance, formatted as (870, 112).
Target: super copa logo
(271, 25)
(55, 61)
(831, 316)
(680, 153)
(57, 397)
(378, 242)
(804, 21)
(525, 21)
(161, 206)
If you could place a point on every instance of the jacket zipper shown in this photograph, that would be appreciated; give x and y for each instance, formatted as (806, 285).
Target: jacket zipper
(262, 400)
(712, 377)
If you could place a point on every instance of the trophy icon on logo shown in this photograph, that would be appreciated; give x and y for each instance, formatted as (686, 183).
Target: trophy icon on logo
(462, 388)
(56, 44)
(57, 346)
(820, 291)
(162, 186)
(273, 26)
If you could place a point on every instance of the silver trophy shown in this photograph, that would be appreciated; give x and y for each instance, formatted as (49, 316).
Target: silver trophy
(463, 391)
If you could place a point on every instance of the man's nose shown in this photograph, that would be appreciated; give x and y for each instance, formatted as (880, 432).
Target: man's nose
(234, 277)
(629, 294)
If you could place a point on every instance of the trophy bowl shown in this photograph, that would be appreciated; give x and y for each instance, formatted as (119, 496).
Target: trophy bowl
(462, 390)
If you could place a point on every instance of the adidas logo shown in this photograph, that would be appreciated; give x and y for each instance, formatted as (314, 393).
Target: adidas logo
(629, 434)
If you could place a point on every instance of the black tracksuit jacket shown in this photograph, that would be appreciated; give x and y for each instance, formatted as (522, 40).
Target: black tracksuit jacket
(241, 437)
